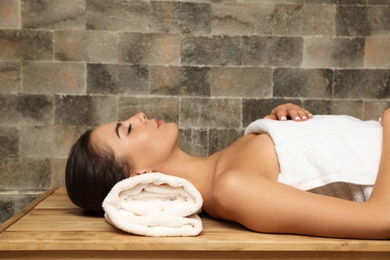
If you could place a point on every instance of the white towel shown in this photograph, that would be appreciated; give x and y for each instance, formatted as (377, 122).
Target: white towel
(326, 150)
(154, 204)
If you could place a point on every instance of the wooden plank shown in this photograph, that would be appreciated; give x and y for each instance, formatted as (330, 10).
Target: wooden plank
(57, 225)
(27, 209)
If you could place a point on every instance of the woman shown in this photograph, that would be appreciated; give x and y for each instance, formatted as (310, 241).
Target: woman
(238, 183)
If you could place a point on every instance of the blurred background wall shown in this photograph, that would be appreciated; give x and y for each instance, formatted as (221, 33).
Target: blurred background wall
(212, 66)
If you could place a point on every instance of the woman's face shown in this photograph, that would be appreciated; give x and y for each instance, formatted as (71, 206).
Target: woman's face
(145, 142)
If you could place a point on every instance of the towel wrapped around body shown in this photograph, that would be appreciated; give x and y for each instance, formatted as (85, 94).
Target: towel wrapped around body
(332, 155)
(154, 204)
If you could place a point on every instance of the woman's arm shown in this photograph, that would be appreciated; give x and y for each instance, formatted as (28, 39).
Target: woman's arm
(282, 112)
(264, 205)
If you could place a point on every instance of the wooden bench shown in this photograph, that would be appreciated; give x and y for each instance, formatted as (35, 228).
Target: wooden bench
(53, 228)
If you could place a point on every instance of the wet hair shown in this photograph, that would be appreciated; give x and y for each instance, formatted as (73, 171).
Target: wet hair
(91, 171)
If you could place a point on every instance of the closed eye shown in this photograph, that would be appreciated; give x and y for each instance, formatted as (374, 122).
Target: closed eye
(129, 130)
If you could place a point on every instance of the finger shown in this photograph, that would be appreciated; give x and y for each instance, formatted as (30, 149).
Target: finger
(272, 117)
(293, 112)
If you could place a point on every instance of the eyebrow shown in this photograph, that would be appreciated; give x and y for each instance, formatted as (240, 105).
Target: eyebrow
(117, 129)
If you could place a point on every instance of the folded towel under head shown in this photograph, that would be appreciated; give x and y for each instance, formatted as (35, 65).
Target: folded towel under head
(155, 204)
(326, 150)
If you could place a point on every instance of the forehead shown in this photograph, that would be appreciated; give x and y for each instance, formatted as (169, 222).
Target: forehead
(104, 132)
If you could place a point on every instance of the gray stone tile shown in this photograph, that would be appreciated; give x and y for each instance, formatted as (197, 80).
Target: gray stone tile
(351, 2)
(89, 46)
(373, 109)
(333, 52)
(180, 17)
(54, 77)
(206, 112)
(180, 81)
(7, 207)
(166, 108)
(10, 77)
(352, 21)
(25, 173)
(53, 14)
(117, 79)
(240, 19)
(301, 20)
(221, 138)
(85, 110)
(22, 200)
(10, 14)
(53, 141)
(17, 45)
(335, 107)
(153, 49)
(58, 171)
(25, 109)
(194, 141)
(272, 51)
(362, 84)
(241, 82)
(308, 83)
(216, 50)
(253, 109)
(9, 140)
(118, 15)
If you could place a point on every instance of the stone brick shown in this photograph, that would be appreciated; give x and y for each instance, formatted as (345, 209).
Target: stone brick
(53, 14)
(216, 50)
(352, 21)
(9, 140)
(54, 77)
(176, 17)
(9, 77)
(21, 110)
(118, 15)
(373, 109)
(241, 82)
(335, 107)
(194, 141)
(153, 49)
(239, 19)
(7, 207)
(362, 84)
(206, 112)
(89, 46)
(333, 52)
(26, 173)
(58, 171)
(22, 200)
(253, 109)
(10, 14)
(85, 110)
(301, 20)
(53, 141)
(272, 51)
(377, 52)
(117, 79)
(180, 81)
(221, 138)
(17, 45)
(307, 83)
(166, 108)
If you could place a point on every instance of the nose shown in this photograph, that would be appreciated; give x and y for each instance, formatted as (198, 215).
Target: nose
(139, 117)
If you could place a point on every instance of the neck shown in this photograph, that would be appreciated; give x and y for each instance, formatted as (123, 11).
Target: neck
(199, 171)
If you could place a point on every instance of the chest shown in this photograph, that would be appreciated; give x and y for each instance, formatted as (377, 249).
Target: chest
(252, 154)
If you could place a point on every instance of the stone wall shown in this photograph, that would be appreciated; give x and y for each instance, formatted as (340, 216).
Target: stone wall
(211, 66)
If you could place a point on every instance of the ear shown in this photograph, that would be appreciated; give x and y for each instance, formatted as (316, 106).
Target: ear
(139, 172)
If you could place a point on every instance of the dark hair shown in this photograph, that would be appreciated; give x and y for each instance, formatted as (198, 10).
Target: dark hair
(91, 172)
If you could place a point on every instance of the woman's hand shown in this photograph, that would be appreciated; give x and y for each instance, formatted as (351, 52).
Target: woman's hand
(282, 112)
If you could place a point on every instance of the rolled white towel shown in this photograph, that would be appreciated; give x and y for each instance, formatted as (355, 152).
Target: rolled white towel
(155, 204)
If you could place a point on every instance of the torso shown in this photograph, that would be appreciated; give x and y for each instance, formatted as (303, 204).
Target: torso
(252, 156)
